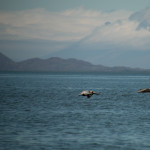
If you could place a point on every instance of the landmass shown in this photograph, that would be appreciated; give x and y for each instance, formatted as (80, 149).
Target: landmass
(56, 64)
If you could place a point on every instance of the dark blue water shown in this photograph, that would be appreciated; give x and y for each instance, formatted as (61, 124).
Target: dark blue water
(42, 111)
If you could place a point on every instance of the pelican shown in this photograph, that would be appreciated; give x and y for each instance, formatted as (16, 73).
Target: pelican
(143, 90)
(87, 93)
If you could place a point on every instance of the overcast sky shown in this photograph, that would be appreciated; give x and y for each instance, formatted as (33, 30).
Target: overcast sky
(106, 32)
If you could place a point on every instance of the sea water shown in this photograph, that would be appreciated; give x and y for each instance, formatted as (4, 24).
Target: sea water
(42, 111)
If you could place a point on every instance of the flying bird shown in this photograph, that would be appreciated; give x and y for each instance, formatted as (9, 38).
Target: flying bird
(88, 93)
(143, 90)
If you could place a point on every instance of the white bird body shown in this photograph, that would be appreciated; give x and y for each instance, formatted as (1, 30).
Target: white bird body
(87, 93)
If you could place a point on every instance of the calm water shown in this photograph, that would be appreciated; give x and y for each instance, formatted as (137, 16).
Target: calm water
(44, 112)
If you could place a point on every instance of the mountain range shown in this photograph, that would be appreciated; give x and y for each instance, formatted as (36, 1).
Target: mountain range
(56, 64)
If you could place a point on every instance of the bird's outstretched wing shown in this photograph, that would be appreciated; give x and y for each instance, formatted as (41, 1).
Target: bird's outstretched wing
(89, 96)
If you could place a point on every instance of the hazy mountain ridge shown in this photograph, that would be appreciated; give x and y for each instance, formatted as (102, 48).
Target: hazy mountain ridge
(6, 63)
(56, 64)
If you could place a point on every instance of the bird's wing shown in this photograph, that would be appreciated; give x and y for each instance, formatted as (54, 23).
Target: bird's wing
(81, 93)
(85, 92)
(89, 96)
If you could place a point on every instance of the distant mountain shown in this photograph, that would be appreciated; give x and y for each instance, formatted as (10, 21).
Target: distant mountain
(6, 63)
(56, 64)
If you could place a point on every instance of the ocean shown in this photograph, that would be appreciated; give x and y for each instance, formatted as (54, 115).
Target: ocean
(42, 111)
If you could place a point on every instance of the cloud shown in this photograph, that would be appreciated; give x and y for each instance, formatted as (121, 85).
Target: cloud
(41, 24)
(77, 24)
(68, 25)
(100, 34)
(143, 19)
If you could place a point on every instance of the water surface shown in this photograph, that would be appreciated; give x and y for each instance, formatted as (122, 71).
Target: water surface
(43, 111)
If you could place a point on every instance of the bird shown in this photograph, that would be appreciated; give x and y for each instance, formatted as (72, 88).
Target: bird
(88, 93)
(143, 90)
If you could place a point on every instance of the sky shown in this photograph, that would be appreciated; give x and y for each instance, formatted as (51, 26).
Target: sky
(106, 32)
